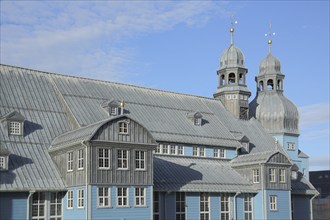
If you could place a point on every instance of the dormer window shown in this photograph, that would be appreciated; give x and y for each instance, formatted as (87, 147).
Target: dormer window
(4, 158)
(196, 118)
(14, 123)
(198, 121)
(15, 128)
(114, 111)
(123, 127)
(113, 107)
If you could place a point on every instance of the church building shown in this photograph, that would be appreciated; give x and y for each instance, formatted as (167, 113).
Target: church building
(78, 148)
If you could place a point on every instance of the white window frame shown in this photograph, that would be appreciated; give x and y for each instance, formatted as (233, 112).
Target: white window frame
(69, 199)
(291, 146)
(219, 153)
(282, 174)
(122, 159)
(70, 161)
(180, 150)
(56, 203)
(272, 175)
(165, 149)
(38, 204)
(113, 111)
(123, 127)
(273, 203)
(103, 158)
(180, 206)
(205, 199)
(80, 198)
(122, 196)
(256, 175)
(140, 160)
(248, 203)
(80, 164)
(197, 121)
(199, 151)
(195, 151)
(3, 163)
(159, 149)
(15, 128)
(140, 197)
(225, 206)
(103, 197)
(172, 149)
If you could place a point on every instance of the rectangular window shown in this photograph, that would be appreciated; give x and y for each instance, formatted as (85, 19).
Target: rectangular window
(38, 206)
(256, 176)
(195, 151)
(122, 159)
(173, 151)
(204, 206)
(222, 153)
(103, 197)
(140, 161)
(156, 206)
(165, 149)
(180, 150)
(158, 149)
(180, 206)
(14, 128)
(80, 198)
(273, 203)
(248, 204)
(291, 146)
(216, 152)
(140, 197)
(2, 163)
(122, 197)
(81, 159)
(282, 176)
(272, 175)
(70, 161)
(201, 151)
(55, 206)
(123, 127)
(225, 206)
(197, 121)
(69, 201)
(113, 111)
(104, 158)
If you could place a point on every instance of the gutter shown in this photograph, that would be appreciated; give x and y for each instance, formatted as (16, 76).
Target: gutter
(235, 211)
(86, 180)
(28, 204)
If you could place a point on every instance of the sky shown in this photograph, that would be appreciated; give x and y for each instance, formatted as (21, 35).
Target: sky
(176, 46)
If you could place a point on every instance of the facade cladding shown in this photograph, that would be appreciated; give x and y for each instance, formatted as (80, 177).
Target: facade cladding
(77, 148)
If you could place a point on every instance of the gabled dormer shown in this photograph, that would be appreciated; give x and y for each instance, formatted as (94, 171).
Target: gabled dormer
(4, 158)
(13, 122)
(196, 118)
(245, 143)
(113, 107)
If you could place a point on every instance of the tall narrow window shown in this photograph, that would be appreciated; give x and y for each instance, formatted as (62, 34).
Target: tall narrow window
(123, 127)
(104, 158)
(158, 149)
(122, 159)
(80, 198)
(272, 175)
(69, 202)
(70, 161)
(173, 150)
(270, 84)
(140, 161)
(216, 152)
(122, 197)
(103, 197)
(222, 153)
(202, 151)
(273, 203)
(15, 128)
(81, 159)
(195, 151)
(165, 149)
(38, 206)
(156, 206)
(225, 206)
(2, 163)
(180, 204)
(55, 206)
(180, 150)
(204, 206)
(256, 176)
(282, 176)
(248, 205)
(140, 197)
(231, 78)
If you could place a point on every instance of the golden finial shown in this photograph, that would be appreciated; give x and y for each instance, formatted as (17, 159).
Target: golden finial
(270, 34)
(232, 21)
(122, 104)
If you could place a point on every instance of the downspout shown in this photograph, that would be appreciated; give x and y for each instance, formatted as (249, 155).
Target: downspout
(311, 205)
(86, 179)
(28, 204)
(235, 211)
(263, 192)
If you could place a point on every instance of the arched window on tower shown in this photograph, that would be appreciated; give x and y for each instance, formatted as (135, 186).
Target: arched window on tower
(232, 78)
(241, 78)
(270, 84)
(279, 85)
(261, 85)
(222, 80)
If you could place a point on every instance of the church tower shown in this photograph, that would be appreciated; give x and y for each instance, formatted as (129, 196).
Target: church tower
(232, 90)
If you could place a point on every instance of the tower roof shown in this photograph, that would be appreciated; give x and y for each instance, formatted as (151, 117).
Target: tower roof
(269, 65)
(232, 57)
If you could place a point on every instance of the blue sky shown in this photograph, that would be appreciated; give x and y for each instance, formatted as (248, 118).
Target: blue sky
(176, 46)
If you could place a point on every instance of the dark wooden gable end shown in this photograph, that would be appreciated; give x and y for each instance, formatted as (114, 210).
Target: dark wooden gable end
(279, 158)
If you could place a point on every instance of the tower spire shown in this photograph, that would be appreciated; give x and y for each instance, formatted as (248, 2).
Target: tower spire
(269, 35)
(232, 21)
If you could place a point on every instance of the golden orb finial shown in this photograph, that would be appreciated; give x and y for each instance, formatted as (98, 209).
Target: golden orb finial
(270, 41)
(231, 30)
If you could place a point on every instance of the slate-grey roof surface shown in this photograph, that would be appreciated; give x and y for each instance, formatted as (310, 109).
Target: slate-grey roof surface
(302, 186)
(198, 175)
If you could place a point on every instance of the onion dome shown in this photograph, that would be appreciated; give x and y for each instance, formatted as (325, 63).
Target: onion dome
(232, 57)
(269, 65)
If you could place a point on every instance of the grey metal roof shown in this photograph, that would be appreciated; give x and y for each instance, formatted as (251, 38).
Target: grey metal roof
(302, 154)
(198, 175)
(302, 186)
(252, 158)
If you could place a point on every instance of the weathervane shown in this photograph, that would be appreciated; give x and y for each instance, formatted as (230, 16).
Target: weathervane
(232, 21)
(270, 34)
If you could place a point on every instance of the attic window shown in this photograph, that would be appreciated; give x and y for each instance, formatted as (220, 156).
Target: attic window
(4, 158)
(198, 121)
(196, 118)
(123, 127)
(3, 163)
(13, 122)
(113, 107)
(15, 128)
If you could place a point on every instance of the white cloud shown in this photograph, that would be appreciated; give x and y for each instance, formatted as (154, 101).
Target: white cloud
(71, 36)
(315, 114)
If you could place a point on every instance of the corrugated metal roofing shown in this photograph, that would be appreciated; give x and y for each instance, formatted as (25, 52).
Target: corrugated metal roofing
(302, 186)
(198, 175)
